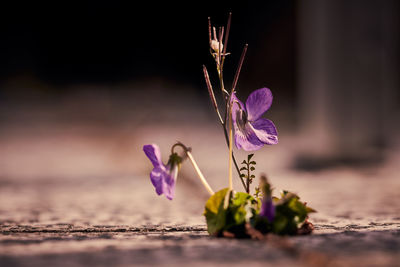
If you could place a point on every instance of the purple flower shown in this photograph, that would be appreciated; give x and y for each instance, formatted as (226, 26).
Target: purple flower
(267, 209)
(251, 131)
(163, 177)
(267, 205)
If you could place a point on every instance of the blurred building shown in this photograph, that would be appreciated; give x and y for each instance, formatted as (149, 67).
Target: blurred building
(348, 80)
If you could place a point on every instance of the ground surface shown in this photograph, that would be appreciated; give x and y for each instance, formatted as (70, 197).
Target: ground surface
(79, 195)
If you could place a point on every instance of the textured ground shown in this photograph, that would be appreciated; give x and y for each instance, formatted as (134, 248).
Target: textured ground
(120, 222)
(79, 195)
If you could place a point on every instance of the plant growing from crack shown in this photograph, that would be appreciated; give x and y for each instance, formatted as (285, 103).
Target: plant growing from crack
(229, 213)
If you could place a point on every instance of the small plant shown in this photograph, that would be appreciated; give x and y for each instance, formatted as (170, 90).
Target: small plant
(248, 168)
(227, 212)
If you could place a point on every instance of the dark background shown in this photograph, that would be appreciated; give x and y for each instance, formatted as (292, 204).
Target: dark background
(110, 41)
(333, 68)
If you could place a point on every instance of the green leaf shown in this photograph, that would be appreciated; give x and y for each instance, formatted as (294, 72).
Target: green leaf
(243, 169)
(215, 213)
(252, 176)
(243, 175)
(253, 162)
(299, 208)
(284, 193)
(252, 168)
(226, 212)
(213, 203)
(241, 198)
(240, 203)
(244, 162)
(279, 224)
(310, 210)
(249, 157)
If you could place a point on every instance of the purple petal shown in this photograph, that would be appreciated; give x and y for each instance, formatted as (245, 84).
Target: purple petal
(258, 103)
(268, 209)
(157, 177)
(153, 153)
(237, 107)
(169, 184)
(163, 182)
(246, 138)
(266, 131)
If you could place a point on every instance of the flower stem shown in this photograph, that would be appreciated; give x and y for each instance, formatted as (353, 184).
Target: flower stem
(201, 176)
(230, 147)
(195, 166)
(219, 60)
(233, 157)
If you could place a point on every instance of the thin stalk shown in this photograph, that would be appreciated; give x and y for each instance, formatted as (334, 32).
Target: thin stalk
(248, 178)
(220, 34)
(199, 173)
(223, 124)
(239, 68)
(230, 148)
(233, 157)
(220, 58)
(228, 27)
(222, 121)
(209, 30)
(195, 166)
(211, 93)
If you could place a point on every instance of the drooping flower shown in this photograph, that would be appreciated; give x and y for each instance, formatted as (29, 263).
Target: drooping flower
(163, 177)
(251, 131)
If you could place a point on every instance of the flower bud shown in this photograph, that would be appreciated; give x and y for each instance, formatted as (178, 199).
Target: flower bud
(215, 46)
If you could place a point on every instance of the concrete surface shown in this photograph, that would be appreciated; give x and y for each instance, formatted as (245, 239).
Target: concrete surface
(78, 194)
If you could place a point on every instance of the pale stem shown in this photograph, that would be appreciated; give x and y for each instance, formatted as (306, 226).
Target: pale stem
(220, 58)
(201, 176)
(230, 147)
(196, 168)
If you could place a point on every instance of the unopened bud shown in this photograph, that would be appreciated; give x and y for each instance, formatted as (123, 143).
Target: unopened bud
(215, 46)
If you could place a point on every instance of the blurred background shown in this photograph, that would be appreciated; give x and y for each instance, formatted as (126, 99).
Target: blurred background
(83, 86)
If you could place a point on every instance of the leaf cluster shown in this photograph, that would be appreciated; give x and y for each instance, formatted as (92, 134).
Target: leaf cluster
(231, 212)
(227, 211)
(290, 215)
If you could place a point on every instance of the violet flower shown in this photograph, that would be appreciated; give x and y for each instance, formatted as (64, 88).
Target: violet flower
(268, 209)
(163, 177)
(251, 131)
(267, 206)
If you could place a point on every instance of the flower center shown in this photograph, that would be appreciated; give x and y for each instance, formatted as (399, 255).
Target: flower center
(241, 119)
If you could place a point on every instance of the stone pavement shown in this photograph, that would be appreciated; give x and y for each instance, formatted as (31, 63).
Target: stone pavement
(79, 195)
(120, 221)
